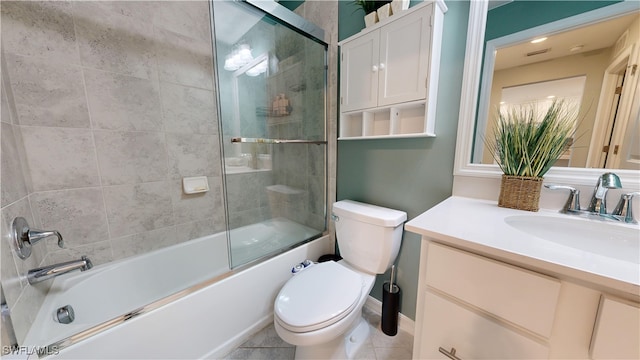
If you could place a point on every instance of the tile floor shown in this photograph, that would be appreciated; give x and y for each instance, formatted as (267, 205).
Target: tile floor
(266, 345)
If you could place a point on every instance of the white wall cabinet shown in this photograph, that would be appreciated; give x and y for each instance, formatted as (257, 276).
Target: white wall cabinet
(476, 307)
(389, 75)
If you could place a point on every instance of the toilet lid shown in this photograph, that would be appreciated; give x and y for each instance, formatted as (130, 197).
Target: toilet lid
(318, 297)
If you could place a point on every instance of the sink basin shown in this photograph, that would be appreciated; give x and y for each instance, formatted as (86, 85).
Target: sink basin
(615, 241)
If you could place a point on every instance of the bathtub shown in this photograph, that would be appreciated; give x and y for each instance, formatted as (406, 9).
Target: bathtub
(118, 293)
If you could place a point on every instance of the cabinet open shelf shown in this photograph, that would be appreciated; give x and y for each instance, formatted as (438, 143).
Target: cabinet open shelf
(400, 120)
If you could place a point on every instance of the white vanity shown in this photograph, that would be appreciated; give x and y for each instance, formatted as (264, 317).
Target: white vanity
(488, 288)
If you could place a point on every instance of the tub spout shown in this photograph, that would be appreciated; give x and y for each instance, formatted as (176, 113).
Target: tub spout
(44, 273)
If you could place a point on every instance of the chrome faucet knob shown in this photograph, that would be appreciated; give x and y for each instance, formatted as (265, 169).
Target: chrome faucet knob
(573, 201)
(23, 237)
(623, 209)
(65, 314)
(606, 181)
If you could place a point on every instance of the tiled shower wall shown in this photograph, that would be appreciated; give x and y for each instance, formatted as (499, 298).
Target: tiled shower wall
(105, 107)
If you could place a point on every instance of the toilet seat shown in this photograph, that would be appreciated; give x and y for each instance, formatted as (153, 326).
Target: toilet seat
(318, 297)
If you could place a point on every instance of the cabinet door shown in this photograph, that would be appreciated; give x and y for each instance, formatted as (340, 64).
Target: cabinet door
(617, 331)
(449, 325)
(404, 58)
(359, 72)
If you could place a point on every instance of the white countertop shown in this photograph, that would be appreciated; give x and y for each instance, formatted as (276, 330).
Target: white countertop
(479, 226)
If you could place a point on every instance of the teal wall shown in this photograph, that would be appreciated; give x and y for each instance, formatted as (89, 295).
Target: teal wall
(524, 14)
(411, 175)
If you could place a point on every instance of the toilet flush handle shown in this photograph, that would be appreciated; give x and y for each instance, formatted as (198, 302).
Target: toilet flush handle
(335, 217)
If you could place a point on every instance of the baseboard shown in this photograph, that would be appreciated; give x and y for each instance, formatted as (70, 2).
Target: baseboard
(404, 323)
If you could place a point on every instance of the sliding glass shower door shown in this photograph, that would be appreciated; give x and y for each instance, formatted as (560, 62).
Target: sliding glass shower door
(272, 88)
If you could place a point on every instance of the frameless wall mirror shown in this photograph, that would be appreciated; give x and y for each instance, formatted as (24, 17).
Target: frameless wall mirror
(589, 58)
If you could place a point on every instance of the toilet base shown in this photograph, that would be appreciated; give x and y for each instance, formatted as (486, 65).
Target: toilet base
(342, 347)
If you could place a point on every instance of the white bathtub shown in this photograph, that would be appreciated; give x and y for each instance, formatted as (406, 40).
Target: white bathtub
(109, 291)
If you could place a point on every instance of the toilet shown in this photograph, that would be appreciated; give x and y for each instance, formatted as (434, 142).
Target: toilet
(319, 309)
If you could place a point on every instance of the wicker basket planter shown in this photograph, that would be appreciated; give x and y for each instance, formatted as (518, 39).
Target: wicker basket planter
(520, 192)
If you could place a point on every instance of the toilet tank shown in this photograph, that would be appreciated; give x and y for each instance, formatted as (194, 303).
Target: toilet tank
(368, 236)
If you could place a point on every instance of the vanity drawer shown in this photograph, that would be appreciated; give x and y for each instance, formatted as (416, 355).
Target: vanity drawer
(617, 331)
(519, 296)
(448, 325)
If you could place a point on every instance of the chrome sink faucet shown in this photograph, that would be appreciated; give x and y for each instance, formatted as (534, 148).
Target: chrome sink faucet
(606, 181)
(44, 273)
(597, 205)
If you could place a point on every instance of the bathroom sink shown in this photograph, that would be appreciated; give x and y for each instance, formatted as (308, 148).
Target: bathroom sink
(616, 241)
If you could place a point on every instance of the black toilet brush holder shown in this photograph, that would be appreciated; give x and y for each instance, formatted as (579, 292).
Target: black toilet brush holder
(390, 306)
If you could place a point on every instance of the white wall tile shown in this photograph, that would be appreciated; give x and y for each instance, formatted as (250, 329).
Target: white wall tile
(133, 209)
(78, 214)
(119, 102)
(193, 155)
(60, 158)
(184, 60)
(131, 157)
(40, 28)
(188, 109)
(13, 184)
(113, 42)
(47, 93)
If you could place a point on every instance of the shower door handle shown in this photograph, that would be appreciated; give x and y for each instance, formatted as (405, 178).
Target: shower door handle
(275, 141)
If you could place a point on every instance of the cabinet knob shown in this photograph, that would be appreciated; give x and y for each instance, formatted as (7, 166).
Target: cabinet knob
(382, 66)
(374, 68)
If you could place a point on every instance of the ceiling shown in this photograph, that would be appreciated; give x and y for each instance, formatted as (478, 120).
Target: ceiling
(593, 37)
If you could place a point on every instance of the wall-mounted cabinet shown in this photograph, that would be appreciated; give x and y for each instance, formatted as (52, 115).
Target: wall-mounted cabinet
(389, 75)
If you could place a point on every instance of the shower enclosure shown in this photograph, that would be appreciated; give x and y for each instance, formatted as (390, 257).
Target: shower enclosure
(173, 143)
(272, 93)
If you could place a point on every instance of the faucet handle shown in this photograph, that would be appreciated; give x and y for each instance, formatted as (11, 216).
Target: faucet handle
(573, 201)
(623, 209)
(23, 237)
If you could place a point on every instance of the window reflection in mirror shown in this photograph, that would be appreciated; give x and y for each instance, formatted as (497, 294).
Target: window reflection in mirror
(542, 95)
(602, 53)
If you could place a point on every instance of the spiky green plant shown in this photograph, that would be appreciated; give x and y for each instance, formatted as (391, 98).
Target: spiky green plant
(527, 146)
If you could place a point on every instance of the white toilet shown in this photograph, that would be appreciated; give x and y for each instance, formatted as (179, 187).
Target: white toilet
(320, 308)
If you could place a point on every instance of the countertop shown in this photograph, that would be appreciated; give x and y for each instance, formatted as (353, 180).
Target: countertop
(479, 226)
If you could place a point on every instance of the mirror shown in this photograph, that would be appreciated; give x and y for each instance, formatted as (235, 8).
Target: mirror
(478, 98)
(574, 64)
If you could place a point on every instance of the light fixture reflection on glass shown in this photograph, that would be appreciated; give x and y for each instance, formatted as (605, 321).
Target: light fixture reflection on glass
(239, 57)
(258, 68)
(538, 40)
(551, 97)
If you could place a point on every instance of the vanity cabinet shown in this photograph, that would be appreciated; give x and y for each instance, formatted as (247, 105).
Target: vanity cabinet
(483, 308)
(389, 75)
(471, 307)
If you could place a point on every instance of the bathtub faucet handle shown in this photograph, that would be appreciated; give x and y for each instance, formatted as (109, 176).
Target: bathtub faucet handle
(37, 235)
(24, 237)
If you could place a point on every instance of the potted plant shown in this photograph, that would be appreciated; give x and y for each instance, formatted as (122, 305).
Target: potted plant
(526, 146)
